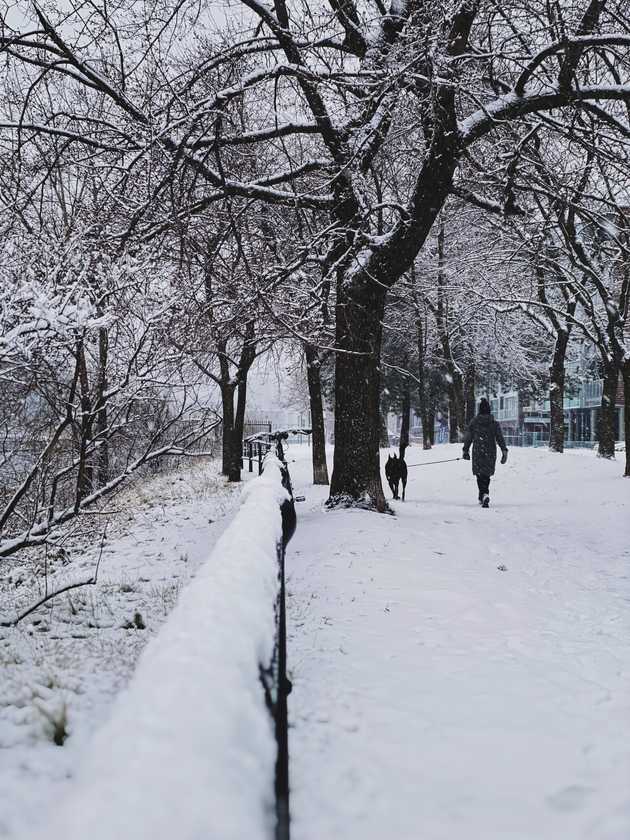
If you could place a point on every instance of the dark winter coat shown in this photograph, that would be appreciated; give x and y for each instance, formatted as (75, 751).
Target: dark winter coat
(484, 433)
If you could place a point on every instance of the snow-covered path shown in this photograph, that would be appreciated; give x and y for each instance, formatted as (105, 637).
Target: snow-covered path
(438, 696)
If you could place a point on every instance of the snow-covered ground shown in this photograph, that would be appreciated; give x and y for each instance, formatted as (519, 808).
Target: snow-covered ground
(63, 666)
(461, 672)
(188, 751)
(457, 672)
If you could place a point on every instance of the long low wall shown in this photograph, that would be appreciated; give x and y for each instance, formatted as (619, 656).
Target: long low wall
(189, 750)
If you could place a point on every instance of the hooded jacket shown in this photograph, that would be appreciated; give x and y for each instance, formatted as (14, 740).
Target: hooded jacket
(484, 433)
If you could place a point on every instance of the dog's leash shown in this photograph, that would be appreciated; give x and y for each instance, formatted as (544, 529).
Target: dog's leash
(430, 463)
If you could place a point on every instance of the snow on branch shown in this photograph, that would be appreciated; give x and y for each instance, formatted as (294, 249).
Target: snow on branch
(581, 42)
(511, 105)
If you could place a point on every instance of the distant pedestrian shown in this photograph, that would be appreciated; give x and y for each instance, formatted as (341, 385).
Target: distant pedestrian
(484, 433)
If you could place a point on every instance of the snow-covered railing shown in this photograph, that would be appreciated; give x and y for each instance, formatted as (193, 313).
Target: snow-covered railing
(256, 446)
(189, 750)
(274, 677)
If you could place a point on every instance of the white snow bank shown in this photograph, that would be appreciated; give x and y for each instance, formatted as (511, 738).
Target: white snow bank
(189, 750)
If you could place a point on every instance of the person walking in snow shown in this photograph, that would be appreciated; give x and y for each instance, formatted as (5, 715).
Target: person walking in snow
(484, 432)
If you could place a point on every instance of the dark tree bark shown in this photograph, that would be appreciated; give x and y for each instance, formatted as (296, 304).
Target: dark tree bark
(624, 312)
(233, 424)
(435, 397)
(457, 411)
(608, 413)
(562, 332)
(356, 466)
(453, 412)
(423, 399)
(556, 392)
(227, 407)
(102, 455)
(406, 414)
(469, 393)
(236, 463)
(625, 373)
(84, 431)
(384, 430)
(318, 441)
(459, 403)
(431, 424)
(234, 418)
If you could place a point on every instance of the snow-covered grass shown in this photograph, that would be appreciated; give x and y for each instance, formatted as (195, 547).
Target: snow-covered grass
(188, 750)
(461, 672)
(62, 667)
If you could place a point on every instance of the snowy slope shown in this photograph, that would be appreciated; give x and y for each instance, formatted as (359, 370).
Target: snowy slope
(437, 696)
(70, 659)
(189, 749)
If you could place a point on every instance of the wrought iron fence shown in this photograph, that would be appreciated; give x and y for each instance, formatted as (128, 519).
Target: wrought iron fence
(274, 677)
(256, 427)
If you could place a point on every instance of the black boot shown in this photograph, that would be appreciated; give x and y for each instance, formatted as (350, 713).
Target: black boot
(483, 483)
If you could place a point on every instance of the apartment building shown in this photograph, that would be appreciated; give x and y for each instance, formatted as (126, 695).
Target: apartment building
(527, 422)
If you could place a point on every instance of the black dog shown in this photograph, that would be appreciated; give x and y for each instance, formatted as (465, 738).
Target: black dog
(396, 471)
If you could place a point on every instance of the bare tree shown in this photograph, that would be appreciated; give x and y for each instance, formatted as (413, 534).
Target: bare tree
(443, 77)
(54, 362)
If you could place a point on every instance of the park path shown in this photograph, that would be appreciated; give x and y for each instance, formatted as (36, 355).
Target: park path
(461, 672)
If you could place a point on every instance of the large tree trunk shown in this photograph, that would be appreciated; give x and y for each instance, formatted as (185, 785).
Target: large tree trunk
(356, 467)
(406, 412)
(608, 413)
(556, 393)
(625, 372)
(361, 292)
(453, 425)
(434, 395)
(320, 468)
(384, 429)
(460, 402)
(233, 424)
(227, 404)
(427, 421)
(431, 427)
(236, 447)
(456, 404)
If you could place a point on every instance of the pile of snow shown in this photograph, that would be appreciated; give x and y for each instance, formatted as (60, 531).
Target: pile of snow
(189, 750)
